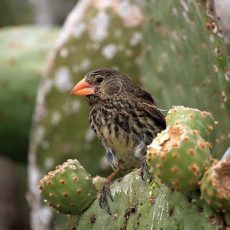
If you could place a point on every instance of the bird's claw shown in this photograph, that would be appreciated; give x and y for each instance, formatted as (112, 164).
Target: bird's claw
(145, 172)
(103, 200)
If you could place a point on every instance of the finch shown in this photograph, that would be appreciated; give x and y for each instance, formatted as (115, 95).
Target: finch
(124, 117)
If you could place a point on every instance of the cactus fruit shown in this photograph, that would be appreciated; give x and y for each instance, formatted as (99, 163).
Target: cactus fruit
(178, 156)
(69, 188)
(195, 119)
(215, 185)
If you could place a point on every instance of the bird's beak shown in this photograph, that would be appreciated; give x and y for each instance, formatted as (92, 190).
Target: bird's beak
(82, 88)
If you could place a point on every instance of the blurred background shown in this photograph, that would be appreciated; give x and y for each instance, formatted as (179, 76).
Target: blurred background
(173, 49)
(28, 30)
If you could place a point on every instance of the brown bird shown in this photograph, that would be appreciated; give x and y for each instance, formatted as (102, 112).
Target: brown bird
(124, 117)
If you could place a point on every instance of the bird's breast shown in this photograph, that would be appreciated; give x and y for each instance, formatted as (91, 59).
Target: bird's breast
(114, 130)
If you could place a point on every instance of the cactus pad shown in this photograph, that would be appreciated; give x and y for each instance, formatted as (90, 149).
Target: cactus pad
(178, 156)
(139, 206)
(69, 188)
(198, 120)
(215, 185)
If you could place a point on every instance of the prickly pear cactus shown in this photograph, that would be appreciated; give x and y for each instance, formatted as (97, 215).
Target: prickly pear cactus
(215, 185)
(98, 182)
(69, 188)
(23, 55)
(185, 62)
(136, 205)
(178, 156)
(107, 33)
(201, 121)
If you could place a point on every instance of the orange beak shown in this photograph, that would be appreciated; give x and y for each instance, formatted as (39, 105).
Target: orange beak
(82, 88)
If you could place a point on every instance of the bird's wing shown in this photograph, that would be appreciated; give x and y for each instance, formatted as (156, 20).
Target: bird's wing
(138, 92)
(152, 110)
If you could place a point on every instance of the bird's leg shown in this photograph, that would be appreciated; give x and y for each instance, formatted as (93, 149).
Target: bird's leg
(144, 170)
(103, 201)
(140, 154)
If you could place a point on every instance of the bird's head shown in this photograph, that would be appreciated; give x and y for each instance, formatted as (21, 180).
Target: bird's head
(100, 85)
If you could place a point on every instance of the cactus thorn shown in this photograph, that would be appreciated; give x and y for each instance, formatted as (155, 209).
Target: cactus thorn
(191, 152)
(175, 169)
(65, 194)
(159, 166)
(75, 178)
(51, 194)
(174, 155)
(210, 128)
(175, 182)
(79, 190)
(202, 144)
(195, 169)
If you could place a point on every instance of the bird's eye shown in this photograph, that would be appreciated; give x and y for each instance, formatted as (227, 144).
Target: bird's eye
(99, 80)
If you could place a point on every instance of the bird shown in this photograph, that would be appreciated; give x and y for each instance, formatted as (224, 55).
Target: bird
(124, 117)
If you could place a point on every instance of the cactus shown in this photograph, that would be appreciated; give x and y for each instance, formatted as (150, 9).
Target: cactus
(92, 38)
(178, 156)
(227, 219)
(22, 59)
(96, 34)
(185, 62)
(215, 185)
(139, 206)
(69, 188)
(98, 182)
(203, 122)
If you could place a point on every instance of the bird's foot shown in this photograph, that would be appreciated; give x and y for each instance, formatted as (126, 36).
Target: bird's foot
(144, 172)
(105, 191)
(103, 197)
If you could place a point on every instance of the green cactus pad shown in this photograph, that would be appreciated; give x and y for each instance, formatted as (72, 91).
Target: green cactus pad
(215, 185)
(136, 205)
(178, 156)
(186, 63)
(69, 188)
(198, 120)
